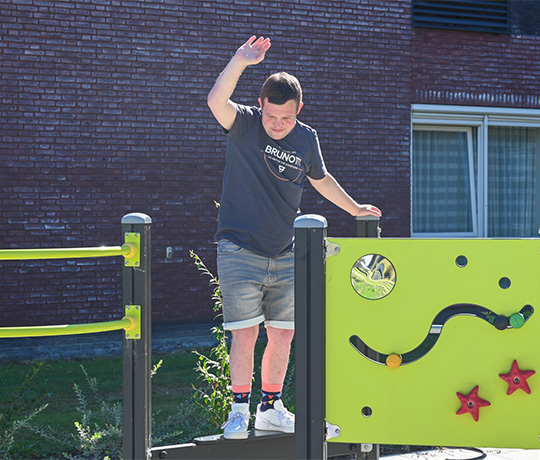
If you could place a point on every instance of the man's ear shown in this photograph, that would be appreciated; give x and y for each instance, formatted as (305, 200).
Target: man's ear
(299, 107)
(260, 102)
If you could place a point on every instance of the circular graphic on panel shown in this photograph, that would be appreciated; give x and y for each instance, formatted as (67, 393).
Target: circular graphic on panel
(373, 276)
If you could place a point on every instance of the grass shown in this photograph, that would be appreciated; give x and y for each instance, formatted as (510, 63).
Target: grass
(177, 419)
(171, 390)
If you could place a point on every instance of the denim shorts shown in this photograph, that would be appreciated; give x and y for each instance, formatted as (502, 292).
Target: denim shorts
(255, 288)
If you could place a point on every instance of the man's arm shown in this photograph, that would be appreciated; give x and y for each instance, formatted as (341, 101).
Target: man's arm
(250, 53)
(333, 192)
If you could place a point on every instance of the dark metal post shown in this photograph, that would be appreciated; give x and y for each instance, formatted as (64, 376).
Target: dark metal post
(368, 227)
(310, 299)
(137, 350)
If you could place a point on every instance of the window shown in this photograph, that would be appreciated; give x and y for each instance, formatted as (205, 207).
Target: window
(475, 172)
(444, 184)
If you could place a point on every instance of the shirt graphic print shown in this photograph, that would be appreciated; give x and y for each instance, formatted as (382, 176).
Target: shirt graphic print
(284, 165)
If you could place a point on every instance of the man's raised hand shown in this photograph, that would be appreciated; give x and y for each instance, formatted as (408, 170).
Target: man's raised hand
(253, 51)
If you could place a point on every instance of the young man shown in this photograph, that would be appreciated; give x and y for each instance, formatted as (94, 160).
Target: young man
(269, 152)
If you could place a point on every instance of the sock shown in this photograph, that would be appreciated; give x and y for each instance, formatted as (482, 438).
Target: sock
(268, 399)
(241, 398)
(241, 394)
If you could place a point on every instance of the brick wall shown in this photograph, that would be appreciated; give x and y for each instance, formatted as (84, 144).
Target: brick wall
(453, 67)
(104, 113)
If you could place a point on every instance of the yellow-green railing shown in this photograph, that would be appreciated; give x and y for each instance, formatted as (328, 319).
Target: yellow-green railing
(131, 252)
(127, 250)
(136, 323)
(127, 323)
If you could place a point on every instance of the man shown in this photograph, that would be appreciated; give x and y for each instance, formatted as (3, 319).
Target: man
(269, 152)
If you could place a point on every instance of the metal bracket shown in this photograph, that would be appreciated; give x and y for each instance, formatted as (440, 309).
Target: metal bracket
(332, 249)
(134, 239)
(366, 447)
(134, 312)
(332, 431)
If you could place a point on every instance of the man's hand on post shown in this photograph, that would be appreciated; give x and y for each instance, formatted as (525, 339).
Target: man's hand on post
(367, 210)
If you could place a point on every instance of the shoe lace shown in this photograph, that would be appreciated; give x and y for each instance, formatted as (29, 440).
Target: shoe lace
(284, 415)
(232, 419)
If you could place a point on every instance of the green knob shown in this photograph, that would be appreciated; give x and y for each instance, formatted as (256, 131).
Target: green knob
(517, 320)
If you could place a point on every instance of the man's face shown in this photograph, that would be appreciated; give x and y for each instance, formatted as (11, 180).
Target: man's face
(279, 120)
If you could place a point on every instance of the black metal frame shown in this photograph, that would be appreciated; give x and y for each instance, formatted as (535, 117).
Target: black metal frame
(309, 440)
(310, 322)
(259, 445)
(368, 227)
(309, 299)
(137, 400)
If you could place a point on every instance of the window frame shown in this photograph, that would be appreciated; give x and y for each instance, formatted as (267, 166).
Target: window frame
(468, 130)
(474, 117)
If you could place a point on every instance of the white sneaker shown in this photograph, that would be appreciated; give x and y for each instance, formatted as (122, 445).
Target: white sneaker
(236, 427)
(277, 419)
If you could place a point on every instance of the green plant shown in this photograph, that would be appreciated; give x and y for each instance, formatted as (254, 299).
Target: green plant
(11, 422)
(186, 423)
(176, 416)
(7, 438)
(215, 396)
(155, 368)
(99, 433)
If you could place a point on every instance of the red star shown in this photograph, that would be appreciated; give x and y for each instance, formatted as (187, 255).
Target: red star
(517, 378)
(471, 403)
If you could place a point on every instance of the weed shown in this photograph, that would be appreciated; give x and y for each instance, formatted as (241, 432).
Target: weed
(99, 433)
(11, 420)
(215, 396)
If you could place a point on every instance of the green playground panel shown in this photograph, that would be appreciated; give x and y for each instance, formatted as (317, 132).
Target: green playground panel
(416, 403)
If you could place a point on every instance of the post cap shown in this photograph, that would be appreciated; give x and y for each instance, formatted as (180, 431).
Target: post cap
(310, 221)
(136, 218)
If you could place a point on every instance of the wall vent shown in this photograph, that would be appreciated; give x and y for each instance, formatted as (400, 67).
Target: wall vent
(476, 15)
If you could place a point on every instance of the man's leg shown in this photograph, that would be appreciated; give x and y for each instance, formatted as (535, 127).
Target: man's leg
(276, 355)
(241, 355)
(271, 414)
(242, 275)
(241, 366)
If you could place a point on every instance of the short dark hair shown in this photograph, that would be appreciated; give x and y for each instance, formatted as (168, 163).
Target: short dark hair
(280, 88)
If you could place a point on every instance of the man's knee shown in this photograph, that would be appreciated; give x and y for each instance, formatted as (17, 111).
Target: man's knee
(283, 336)
(245, 337)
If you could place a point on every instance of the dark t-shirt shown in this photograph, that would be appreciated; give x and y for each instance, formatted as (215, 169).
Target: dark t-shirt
(262, 183)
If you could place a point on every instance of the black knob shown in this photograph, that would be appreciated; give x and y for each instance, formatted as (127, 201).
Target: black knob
(500, 322)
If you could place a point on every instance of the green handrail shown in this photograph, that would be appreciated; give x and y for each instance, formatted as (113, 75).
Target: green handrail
(127, 250)
(127, 323)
